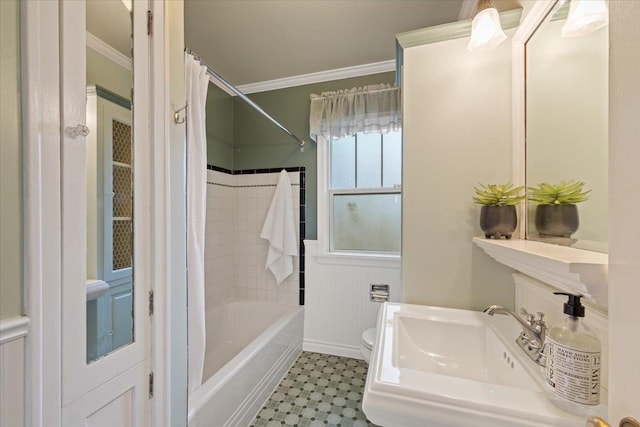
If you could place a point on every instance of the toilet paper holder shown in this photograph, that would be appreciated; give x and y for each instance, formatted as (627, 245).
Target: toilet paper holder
(379, 292)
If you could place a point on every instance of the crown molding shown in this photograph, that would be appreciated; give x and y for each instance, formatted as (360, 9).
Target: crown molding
(320, 76)
(222, 86)
(453, 30)
(107, 50)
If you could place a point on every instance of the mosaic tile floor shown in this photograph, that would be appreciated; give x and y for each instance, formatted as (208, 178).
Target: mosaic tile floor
(319, 390)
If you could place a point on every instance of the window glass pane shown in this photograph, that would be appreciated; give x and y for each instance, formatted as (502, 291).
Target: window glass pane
(369, 161)
(391, 159)
(343, 162)
(367, 222)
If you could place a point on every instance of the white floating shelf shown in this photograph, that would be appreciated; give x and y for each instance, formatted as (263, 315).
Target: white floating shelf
(565, 268)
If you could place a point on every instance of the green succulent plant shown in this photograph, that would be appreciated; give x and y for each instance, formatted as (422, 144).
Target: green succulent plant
(566, 192)
(498, 194)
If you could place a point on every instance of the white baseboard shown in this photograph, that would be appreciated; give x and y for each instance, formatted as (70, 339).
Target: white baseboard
(332, 349)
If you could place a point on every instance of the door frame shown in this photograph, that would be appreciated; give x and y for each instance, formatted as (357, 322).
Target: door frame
(40, 84)
(169, 275)
(41, 123)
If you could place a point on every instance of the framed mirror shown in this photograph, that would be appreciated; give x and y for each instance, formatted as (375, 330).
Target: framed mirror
(569, 264)
(564, 134)
(567, 124)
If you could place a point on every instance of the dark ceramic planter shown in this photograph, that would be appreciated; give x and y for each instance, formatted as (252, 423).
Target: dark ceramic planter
(498, 221)
(557, 220)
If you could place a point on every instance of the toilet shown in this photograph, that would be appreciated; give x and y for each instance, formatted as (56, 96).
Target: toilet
(366, 343)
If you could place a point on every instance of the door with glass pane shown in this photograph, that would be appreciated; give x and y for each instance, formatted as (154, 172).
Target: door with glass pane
(105, 214)
(109, 221)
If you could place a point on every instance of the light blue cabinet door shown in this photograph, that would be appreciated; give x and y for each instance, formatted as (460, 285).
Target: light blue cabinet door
(121, 315)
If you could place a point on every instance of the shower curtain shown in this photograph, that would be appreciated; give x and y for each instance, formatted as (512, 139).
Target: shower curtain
(197, 81)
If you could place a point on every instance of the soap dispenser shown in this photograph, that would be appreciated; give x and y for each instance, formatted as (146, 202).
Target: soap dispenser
(573, 353)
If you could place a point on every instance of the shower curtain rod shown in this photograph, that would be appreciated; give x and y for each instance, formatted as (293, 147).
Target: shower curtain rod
(244, 97)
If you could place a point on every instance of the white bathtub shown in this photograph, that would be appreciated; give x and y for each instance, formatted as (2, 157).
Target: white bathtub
(250, 347)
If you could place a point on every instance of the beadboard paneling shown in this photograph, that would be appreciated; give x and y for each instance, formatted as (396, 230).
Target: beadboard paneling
(337, 307)
(12, 371)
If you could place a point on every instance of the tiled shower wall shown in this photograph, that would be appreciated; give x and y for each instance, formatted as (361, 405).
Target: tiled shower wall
(235, 254)
(219, 239)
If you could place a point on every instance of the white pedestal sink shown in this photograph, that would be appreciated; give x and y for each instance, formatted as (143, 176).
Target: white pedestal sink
(440, 367)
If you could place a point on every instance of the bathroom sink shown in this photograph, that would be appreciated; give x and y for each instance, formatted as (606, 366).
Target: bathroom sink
(441, 367)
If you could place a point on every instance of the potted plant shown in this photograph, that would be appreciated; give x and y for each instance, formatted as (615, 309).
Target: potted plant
(557, 213)
(498, 214)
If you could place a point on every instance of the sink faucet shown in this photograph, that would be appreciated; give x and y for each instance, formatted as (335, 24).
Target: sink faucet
(531, 339)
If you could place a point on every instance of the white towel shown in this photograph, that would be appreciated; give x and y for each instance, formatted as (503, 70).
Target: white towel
(280, 230)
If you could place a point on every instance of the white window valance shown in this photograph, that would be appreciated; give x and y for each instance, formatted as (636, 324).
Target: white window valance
(373, 108)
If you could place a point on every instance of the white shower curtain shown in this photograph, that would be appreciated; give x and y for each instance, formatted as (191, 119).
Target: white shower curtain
(197, 81)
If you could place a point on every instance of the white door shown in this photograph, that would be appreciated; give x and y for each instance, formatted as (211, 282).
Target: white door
(111, 389)
(624, 205)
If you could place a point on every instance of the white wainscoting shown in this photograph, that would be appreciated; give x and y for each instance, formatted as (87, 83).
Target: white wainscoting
(537, 296)
(337, 306)
(12, 371)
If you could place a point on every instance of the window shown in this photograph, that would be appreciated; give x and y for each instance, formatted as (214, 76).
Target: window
(365, 173)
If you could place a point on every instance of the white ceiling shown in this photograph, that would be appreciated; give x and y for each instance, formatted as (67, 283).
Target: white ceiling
(250, 41)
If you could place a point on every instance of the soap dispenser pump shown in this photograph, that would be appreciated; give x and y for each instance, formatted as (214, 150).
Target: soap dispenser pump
(573, 354)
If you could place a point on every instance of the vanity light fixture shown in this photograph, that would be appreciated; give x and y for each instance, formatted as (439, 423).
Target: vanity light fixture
(486, 31)
(585, 16)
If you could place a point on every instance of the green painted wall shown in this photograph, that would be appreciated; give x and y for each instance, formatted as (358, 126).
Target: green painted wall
(110, 75)
(258, 143)
(10, 162)
(219, 112)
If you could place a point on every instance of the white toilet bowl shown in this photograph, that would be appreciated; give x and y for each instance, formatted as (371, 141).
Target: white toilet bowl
(366, 343)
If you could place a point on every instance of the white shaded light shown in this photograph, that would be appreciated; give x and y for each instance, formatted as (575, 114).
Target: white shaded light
(127, 4)
(486, 31)
(585, 16)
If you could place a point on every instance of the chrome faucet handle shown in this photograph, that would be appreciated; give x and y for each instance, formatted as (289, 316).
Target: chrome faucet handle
(529, 318)
(540, 326)
(531, 339)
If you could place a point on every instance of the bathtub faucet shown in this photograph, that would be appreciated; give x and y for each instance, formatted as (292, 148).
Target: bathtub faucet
(531, 339)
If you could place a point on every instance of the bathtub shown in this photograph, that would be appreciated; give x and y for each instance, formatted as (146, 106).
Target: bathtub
(250, 347)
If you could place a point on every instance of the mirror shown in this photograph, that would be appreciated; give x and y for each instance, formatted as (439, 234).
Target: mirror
(109, 178)
(567, 123)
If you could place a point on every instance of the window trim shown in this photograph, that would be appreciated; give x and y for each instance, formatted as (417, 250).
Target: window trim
(325, 214)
